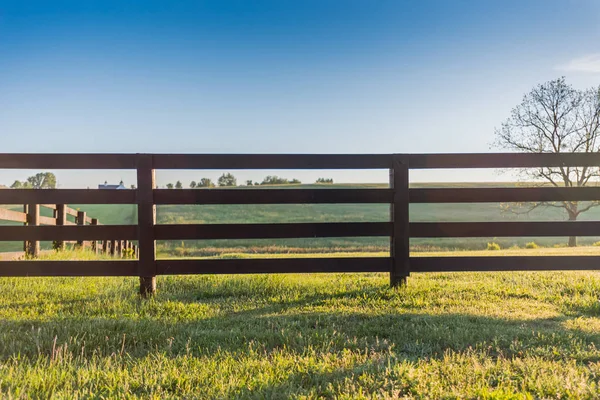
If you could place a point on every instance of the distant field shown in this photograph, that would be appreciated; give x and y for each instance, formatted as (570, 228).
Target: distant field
(210, 214)
(512, 335)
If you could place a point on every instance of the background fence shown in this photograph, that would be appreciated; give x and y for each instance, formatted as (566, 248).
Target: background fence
(60, 213)
(399, 229)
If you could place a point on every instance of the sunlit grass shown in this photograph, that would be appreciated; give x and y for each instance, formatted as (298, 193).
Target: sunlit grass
(445, 335)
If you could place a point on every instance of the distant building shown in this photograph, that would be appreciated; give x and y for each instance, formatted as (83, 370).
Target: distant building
(120, 186)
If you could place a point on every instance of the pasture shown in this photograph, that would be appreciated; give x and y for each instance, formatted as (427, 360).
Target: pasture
(446, 335)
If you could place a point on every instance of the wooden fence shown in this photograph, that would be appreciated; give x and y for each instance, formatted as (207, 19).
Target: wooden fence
(31, 217)
(399, 229)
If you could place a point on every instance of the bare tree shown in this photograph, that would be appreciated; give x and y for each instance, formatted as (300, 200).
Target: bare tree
(556, 118)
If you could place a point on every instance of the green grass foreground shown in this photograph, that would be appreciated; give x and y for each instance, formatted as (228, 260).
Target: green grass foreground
(349, 336)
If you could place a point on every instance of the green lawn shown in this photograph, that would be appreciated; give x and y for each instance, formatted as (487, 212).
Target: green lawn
(446, 335)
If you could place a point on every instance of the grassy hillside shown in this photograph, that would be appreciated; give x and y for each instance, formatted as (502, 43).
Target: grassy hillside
(446, 335)
(208, 214)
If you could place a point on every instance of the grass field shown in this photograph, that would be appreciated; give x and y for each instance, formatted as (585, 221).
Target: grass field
(446, 335)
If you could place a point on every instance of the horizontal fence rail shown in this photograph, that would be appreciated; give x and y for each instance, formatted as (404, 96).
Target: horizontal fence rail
(504, 195)
(68, 196)
(118, 238)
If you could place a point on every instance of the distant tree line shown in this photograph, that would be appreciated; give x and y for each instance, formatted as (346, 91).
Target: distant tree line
(41, 180)
(229, 180)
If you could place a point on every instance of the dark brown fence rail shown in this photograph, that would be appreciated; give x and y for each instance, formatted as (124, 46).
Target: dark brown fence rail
(399, 229)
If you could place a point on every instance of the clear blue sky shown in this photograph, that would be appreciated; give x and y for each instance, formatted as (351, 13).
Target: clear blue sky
(372, 76)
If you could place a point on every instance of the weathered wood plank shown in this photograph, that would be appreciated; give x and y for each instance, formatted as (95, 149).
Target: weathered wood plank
(146, 220)
(297, 161)
(33, 220)
(50, 233)
(273, 265)
(399, 213)
(501, 160)
(504, 263)
(504, 229)
(46, 220)
(64, 196)
(272, 161)
(11, 215)
(271, 231)
(94, 222)
(72, 212)
(67, 161)
(503, 195)
(61, 220)
(81, 217)
(68, 268)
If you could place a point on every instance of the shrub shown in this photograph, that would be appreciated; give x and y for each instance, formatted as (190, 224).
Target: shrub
(531, 245)
(205, 182)
(227, 180)
(493, 246)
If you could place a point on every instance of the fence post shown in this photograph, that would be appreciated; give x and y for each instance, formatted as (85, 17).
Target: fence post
(105, 246)
(81, 216)
(400, 239)
(32, 247)
(61, 220)
(113, 245)
(26, 243)
(146, 221)
(94, 242)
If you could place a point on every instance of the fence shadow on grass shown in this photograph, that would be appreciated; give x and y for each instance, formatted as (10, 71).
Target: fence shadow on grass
(408, 335)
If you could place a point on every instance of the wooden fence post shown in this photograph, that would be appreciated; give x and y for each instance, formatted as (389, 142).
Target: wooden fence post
(94, 242)
(399, 214)
(81, 216)
(33, 219)
(26, 243)
(146, 221)
(105, 246)
(61, 220)
(113, 245)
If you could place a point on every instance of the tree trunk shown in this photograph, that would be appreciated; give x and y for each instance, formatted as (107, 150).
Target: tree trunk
(572, 239)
